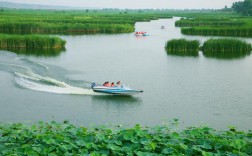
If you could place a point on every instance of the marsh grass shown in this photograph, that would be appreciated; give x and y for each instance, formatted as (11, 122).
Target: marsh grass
(218, 31)
(226, 48)
(31, 42)
(212, 26)
(73, 22)
(201, 23)
(182, 47)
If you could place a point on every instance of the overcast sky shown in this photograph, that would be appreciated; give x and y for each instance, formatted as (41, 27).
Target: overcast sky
(134, 4)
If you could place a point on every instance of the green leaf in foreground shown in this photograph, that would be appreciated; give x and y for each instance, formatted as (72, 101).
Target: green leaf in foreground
(65, 139)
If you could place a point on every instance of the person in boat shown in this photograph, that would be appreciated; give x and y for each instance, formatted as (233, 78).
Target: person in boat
(112, 84)
(108, 84)
(118, 84)
(105, 83)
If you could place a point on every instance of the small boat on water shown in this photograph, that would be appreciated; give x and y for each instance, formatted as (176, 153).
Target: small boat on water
(141, 33)
(117, 90)
(162, 27)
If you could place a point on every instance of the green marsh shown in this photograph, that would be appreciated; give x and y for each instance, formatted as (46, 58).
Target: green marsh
(26, 43)
(226, 48)
(182, 47)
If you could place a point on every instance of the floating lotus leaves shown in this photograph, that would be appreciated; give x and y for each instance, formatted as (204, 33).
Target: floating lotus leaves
(53, 139)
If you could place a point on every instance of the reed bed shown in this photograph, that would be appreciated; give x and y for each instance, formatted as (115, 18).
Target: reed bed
(30, 42)
(52, 28)
(73, 22)
(182, 47)
(38, 52)
(226, 48)
(218, 31)
(200, 23)
(212, 26)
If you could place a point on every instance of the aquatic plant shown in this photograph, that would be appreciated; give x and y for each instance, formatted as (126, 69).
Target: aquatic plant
(218, 31)
(72, 22)
(213, 22)
(214, 26)
(30, 42)
(229, 48)
(182, 47)
(66, 139)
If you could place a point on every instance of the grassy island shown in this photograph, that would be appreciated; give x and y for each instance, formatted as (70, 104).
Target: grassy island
(215, 22)
(30, 42)
(226, 48)
(66, 139)
(212, 26)
(182, 47)
(74, 21)
(218, 31)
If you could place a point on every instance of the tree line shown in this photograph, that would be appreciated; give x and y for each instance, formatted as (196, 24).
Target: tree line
(243, 7)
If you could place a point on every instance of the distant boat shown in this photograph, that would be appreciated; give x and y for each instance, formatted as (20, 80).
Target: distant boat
(162, 27)
(141, 33)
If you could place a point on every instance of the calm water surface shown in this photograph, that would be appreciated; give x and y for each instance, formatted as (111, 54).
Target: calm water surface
(196, 90)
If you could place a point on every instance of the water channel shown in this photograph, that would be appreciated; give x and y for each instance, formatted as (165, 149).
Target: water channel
(196, 90)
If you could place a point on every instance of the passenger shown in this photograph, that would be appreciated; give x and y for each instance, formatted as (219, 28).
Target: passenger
(118, 84)
(108, 84)
(112, 84)
(105, 83)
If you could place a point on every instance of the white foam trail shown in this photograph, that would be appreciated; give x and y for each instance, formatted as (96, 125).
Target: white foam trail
(54, 89)
(36, 77)
(26, 78)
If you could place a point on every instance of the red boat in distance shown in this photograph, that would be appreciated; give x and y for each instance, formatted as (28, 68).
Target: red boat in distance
(140, 33)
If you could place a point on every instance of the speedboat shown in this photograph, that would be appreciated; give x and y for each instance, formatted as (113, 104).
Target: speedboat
(117, 90)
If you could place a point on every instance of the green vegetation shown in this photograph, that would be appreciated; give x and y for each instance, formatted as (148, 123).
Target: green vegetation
(73, 22)
(226, 48)
(66, 139)
(214, 22)
(38, 52)
(182, 47)
(19, 43)
(218, 48)
(243, 7)
(216, 26)
(219, 31)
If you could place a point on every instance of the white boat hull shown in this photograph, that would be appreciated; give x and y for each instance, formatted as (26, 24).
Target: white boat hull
(115, 90)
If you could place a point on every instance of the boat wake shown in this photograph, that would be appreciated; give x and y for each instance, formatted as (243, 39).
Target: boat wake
(40, 77)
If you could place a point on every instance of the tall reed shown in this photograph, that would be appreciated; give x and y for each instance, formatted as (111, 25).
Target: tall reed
(218, 31)
(182, 47)
(226, 48)
(30, 42)
(196, 23)
(72, 22)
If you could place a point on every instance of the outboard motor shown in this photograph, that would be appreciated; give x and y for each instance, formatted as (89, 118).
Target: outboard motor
(93, 85)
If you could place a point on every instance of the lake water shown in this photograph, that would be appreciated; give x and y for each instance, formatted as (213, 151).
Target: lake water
(195, 90)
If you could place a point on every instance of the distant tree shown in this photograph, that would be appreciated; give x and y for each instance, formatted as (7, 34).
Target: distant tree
(140, 11)
(2, 10)
(87, 10)
(247, 6)
(243, 7)
(226, 9)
